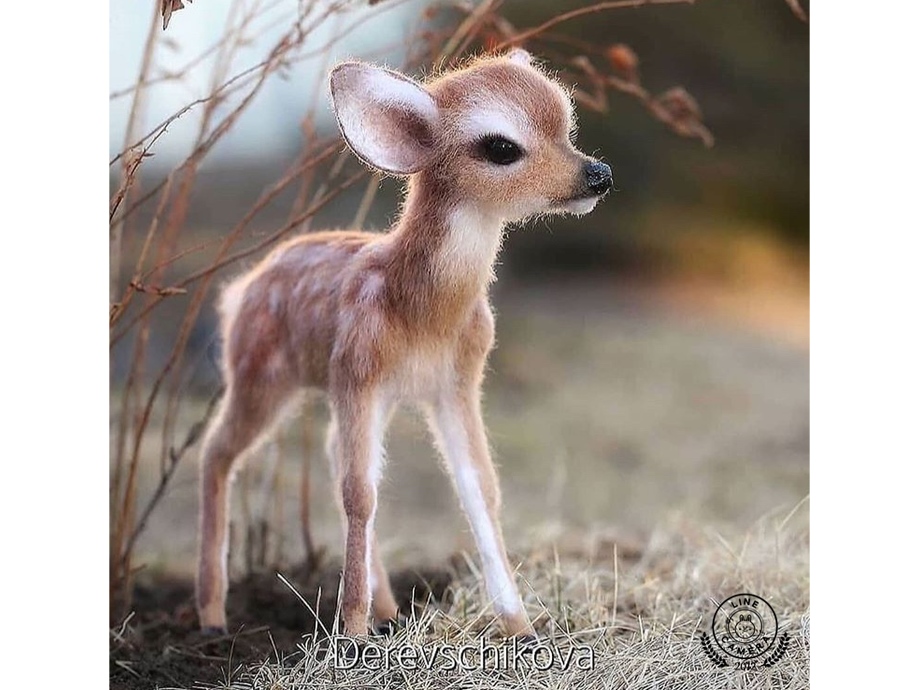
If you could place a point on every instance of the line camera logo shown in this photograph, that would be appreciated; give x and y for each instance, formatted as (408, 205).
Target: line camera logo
(745, 629)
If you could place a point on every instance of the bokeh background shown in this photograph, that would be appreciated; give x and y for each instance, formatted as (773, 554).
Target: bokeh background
(652, 357)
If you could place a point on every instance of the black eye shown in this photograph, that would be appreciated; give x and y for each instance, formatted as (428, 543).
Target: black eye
(499, 150)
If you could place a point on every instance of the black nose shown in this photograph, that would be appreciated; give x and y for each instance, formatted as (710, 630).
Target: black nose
(598, 176)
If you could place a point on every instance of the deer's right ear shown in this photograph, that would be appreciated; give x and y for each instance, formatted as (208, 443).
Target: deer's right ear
(387, 119)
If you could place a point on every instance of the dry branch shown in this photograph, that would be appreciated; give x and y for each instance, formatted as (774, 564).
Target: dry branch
(161, 245)
(797, 10)
(527, 34)
(175, 457)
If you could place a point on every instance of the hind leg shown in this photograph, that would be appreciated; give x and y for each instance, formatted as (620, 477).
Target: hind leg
(244, 416)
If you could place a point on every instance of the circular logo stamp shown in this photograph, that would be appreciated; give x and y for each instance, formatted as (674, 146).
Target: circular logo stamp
(744, 626)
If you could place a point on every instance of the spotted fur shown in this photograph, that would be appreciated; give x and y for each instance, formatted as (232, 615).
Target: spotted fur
(379, 319)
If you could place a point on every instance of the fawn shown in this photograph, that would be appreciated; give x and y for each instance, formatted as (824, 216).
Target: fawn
(377, 319)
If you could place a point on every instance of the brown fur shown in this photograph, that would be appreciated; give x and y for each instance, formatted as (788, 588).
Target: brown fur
(376, 318)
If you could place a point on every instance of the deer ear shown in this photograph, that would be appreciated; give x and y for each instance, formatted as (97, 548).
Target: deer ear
(387, 119)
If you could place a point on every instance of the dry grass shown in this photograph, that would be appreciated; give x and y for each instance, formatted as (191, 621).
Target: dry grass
(640, 610)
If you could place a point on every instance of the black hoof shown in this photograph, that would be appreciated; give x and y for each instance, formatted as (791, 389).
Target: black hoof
(213, 631)
(390, 627)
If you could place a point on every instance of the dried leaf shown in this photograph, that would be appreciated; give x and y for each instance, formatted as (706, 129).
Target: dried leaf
(160, 291)
(167, 7)
(624, 60)
(680, 105)
(133, 157)
(167, 291)
(682, 113)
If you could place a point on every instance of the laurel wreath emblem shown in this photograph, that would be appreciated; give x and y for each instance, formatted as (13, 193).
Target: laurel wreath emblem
(713, 655)
(779, 651)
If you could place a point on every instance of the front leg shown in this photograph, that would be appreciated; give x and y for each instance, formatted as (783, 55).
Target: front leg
(384, 605)
(456, 423)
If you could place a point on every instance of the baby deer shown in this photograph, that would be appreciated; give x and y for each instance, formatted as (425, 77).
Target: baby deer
(378, 319)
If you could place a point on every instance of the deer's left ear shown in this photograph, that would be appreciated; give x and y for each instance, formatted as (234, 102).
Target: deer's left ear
(388, 120)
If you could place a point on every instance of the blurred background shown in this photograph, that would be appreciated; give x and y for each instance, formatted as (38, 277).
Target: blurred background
(652, 357)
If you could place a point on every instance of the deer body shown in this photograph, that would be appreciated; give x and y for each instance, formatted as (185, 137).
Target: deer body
(380, 319)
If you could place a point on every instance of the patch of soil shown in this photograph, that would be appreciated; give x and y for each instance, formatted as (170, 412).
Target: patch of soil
(161, 646)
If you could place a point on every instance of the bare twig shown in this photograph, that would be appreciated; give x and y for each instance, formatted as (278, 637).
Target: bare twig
(129, 171)
(468, 28)
(797, 10)
(675, 107)
(261, 203)
(580, 12)
(175, 457)
(149, 281)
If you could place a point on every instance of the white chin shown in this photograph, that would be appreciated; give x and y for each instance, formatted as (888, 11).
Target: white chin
(579, 206)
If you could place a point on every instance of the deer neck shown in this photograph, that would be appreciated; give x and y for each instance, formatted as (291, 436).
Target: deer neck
(444, 255)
